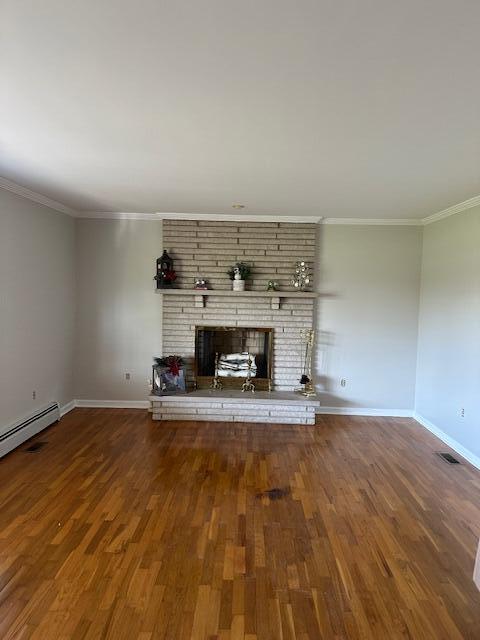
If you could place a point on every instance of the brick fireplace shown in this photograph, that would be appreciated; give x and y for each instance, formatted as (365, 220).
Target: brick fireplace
(207, 249)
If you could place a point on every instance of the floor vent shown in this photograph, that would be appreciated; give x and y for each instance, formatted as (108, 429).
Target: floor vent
(448, 458)
(35, 447)
(15, 434)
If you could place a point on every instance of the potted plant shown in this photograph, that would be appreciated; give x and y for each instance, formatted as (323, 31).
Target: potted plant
(238, 274)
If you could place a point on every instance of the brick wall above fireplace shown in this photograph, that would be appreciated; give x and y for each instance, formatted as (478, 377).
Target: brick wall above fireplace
(207, 249)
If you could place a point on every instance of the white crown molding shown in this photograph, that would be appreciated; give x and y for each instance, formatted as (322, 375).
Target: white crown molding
(456, 208)
(239, 217)
(117, 215)
(415, 222)
(39, 198)
(34, 196)
(214, 217)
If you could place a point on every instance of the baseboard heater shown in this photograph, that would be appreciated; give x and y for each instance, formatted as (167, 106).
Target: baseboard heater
(24, 429)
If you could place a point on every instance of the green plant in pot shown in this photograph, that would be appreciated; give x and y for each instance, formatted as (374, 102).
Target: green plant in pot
(238, 274)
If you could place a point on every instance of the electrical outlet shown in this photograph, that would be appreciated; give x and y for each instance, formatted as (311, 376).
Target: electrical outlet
(343, 382)
(127, 376)
(462, 412)
(34, 395)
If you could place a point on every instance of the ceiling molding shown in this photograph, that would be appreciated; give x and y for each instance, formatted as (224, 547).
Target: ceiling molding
(34, 196)
(39, 198)
(411, 222)
(238, 217)
(220, 217)
(117, 215)
(456, 208)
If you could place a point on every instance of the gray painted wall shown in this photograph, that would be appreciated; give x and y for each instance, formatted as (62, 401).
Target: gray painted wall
(119, 318)
(36, 306)
(369, 280)
(367, 316)
(448, 372)
(368, 320)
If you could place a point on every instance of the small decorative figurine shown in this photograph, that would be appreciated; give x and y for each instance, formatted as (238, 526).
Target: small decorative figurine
(272, 285)
(238, 274)
(200, 284)
(165, 275)
(302, 276)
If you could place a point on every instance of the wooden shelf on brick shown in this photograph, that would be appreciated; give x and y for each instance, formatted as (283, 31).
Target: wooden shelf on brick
(274, 296)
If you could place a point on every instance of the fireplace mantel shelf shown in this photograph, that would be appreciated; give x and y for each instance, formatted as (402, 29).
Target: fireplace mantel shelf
(229, 292)
(200, 295)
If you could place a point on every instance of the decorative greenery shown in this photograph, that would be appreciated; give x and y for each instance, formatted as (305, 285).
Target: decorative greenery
(172, 363)
(243, 268)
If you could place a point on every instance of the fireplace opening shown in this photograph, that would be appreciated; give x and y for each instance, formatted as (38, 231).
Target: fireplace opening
(233, 354)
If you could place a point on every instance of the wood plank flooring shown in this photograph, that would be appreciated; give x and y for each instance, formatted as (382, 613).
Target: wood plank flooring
(121, 528)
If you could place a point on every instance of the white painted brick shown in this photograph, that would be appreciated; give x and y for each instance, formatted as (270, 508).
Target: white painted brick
(246, 241)
(287, 414)
(218, 225)
(186, 409)
(242, 412)
(258, 225)
(270, 420)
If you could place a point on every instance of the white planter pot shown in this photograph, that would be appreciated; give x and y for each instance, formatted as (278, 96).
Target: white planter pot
(238, 285)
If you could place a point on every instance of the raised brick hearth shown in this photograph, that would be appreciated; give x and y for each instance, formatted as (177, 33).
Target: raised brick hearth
(235, 406)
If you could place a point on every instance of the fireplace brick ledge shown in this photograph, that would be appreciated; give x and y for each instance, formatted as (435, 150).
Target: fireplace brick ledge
(275, 297)
(281, 407)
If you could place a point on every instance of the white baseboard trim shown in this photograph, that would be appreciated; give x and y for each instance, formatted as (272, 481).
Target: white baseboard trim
(453, 444)
(67, 407)
(145, 404)
(113, 404)
(476, 571)
(365, 411)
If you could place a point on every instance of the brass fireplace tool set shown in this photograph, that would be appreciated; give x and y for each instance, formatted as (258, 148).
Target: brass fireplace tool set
(307, 389)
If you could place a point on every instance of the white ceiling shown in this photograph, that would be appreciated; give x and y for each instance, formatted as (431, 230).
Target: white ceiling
(349, 108)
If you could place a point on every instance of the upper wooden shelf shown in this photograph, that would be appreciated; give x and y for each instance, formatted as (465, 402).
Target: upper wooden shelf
(239, 294)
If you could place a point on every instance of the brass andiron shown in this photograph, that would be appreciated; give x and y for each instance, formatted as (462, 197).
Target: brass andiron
(307, 389)
(248, 384)
(216, 384)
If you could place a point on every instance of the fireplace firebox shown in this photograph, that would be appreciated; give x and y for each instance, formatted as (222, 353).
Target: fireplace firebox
(232, 354)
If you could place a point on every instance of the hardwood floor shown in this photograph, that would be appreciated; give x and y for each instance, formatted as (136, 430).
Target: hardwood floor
(124, 528)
